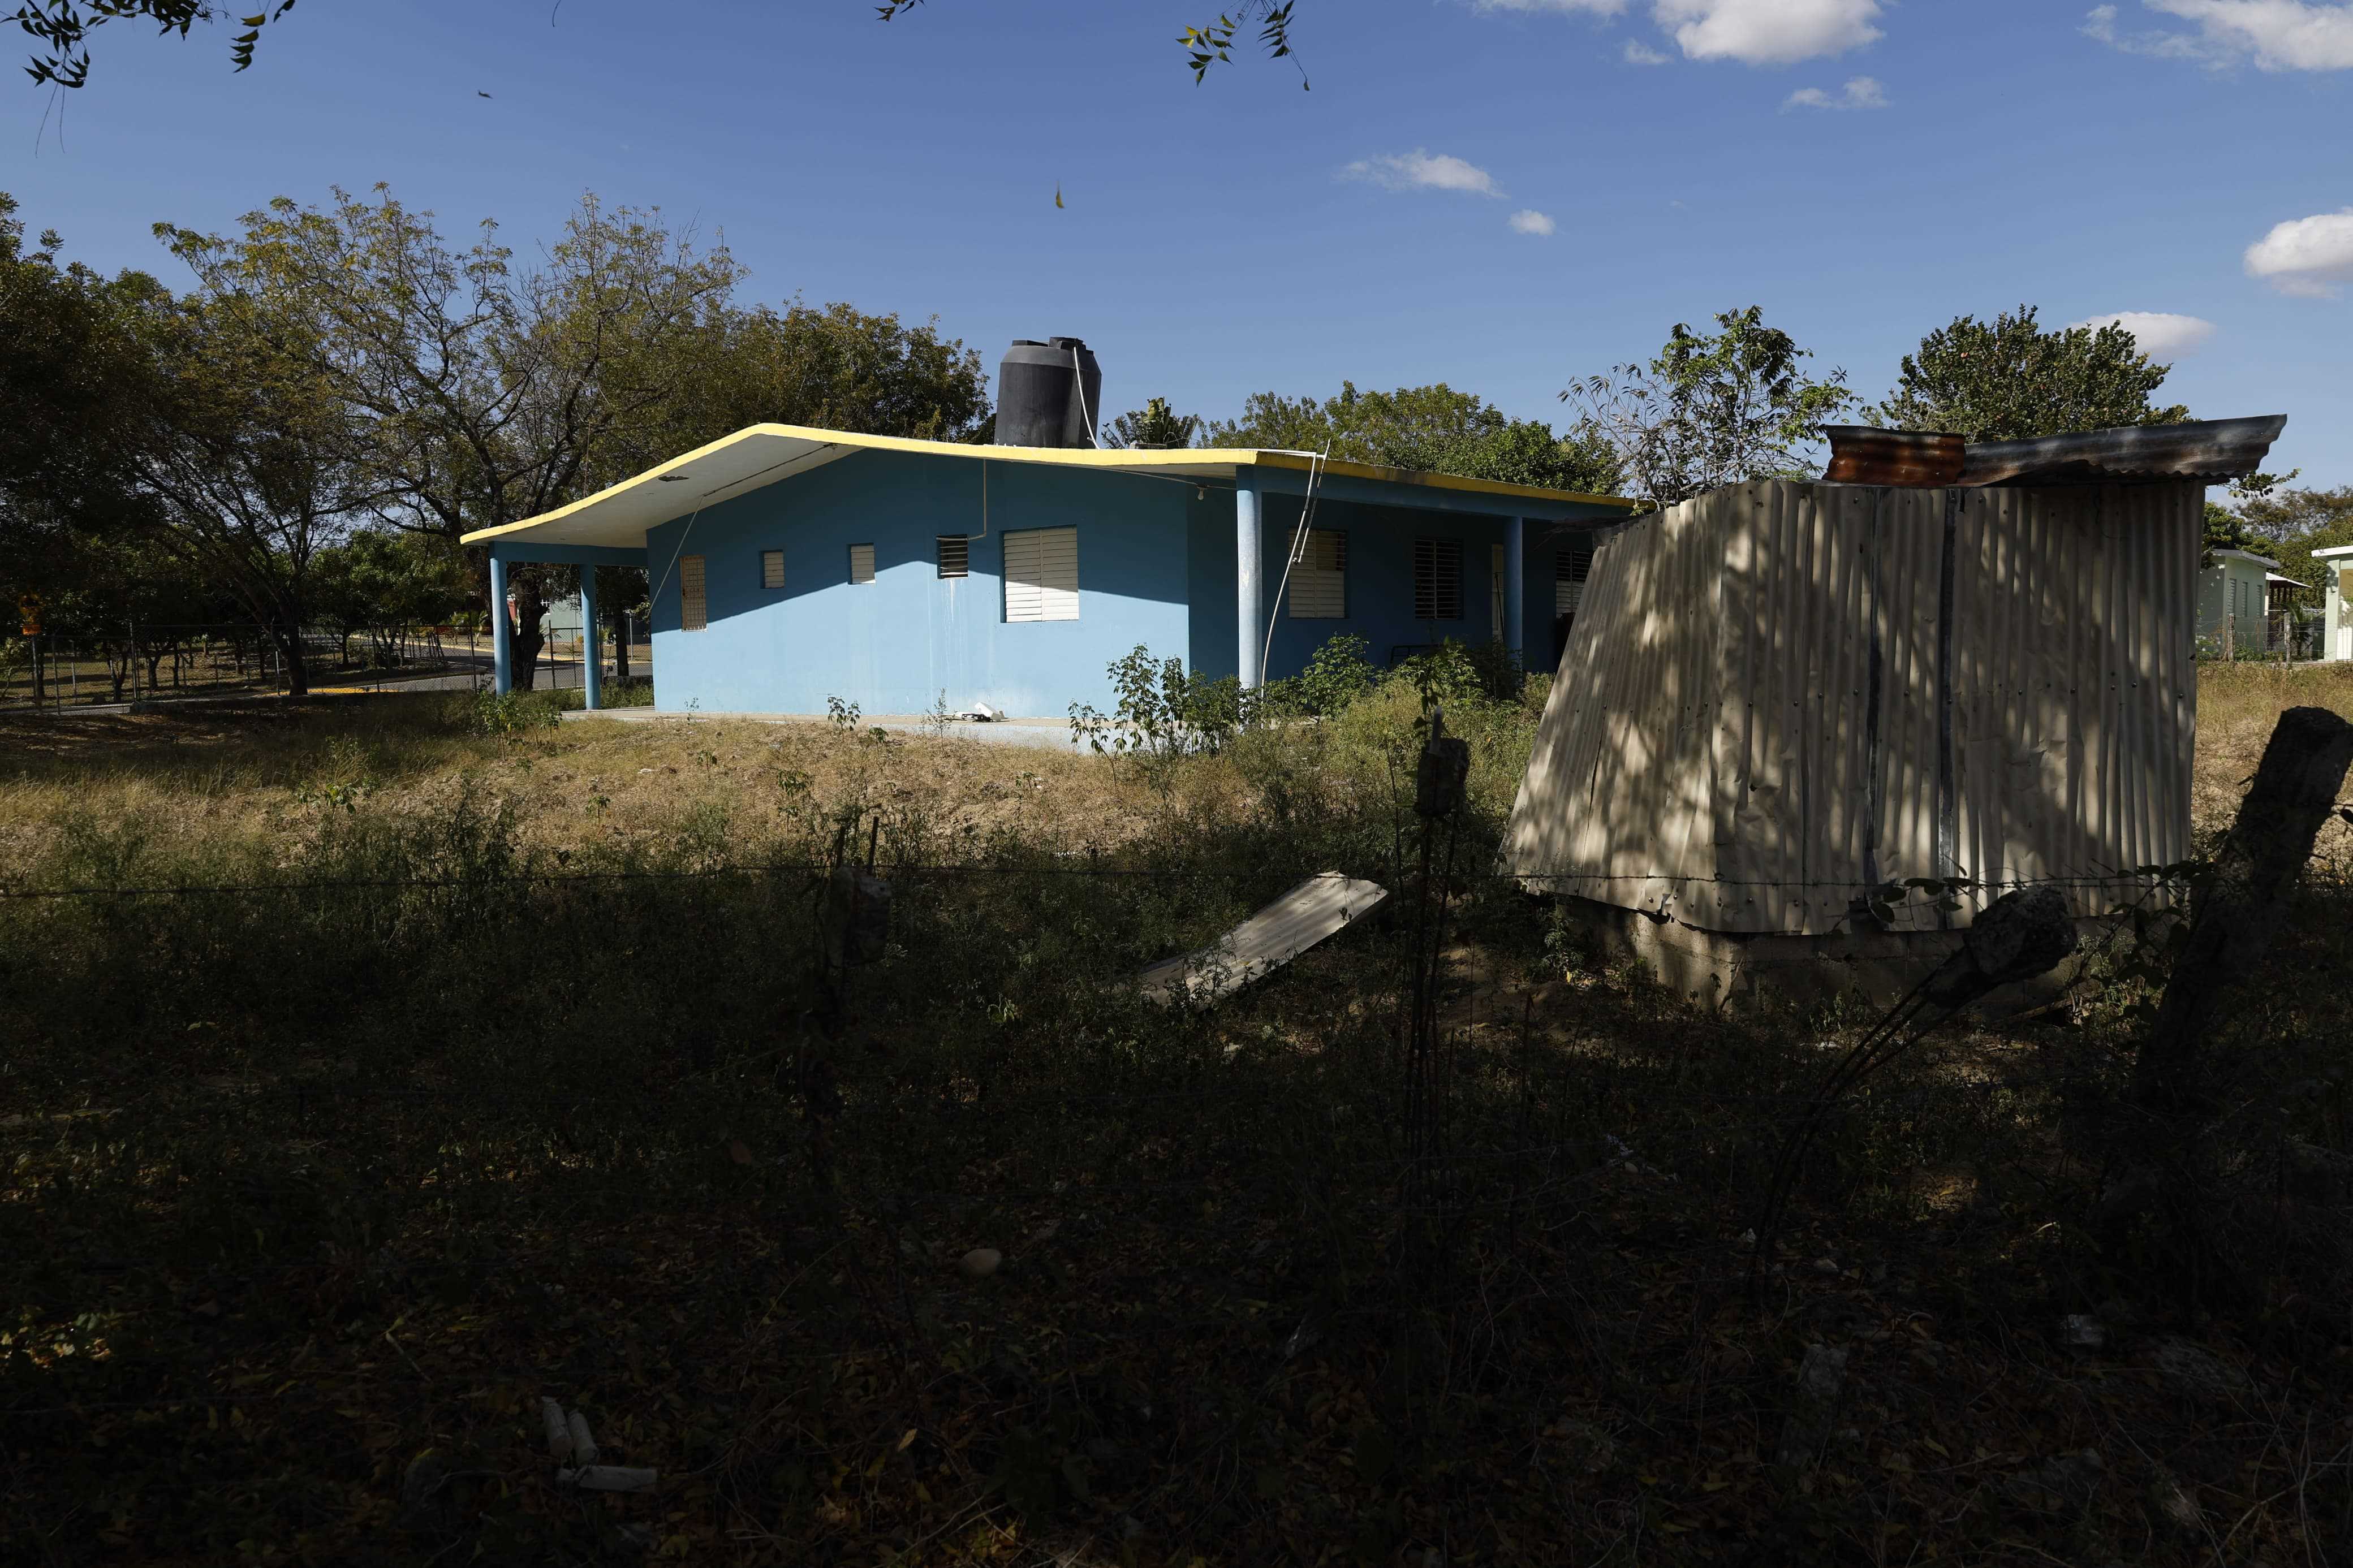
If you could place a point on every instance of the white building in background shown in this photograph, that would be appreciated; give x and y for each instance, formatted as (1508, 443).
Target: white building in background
(2336, 624)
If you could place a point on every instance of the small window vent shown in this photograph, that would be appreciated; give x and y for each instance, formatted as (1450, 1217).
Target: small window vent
(693, 608)
(861, 564)
(955, 555)
(1437, 579)
(1319, 582)
(772, 569)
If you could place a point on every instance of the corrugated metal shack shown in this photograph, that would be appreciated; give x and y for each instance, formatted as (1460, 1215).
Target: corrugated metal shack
(1938, 661)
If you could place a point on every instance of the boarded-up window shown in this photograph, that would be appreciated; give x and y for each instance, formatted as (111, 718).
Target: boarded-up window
(1437, 579)
(1570, 568)
(1041, 574)
(861, 564)
(955, 555)
(1319, 584)
(693, 609)
(772, 569)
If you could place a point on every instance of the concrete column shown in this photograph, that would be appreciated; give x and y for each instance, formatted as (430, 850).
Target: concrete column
(1250, 579)
(592, 672)
(501, 642)
(1515, 587)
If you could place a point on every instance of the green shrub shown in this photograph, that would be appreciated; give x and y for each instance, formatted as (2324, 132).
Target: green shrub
(506, 715)
(1338, 674)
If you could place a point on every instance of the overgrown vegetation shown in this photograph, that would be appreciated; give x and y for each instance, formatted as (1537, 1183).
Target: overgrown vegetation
(376, 1069)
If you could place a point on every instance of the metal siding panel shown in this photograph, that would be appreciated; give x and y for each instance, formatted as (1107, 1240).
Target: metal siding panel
(1708, 738)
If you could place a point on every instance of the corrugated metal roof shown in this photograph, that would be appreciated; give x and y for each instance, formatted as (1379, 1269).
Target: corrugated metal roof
(2210, 450)
(1778, 694)
(1868, 455)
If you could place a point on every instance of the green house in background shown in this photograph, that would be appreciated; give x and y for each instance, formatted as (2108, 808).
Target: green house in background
(2337, 624)
(2233, 603)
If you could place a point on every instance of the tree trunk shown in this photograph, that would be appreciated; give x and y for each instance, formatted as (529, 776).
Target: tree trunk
(2167, 1166)
(291, 652)
(525, 640)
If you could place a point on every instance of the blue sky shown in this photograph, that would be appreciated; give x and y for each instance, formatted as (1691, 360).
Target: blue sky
(1865, 169)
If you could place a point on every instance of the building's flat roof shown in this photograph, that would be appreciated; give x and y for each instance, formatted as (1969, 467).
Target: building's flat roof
(2332, 552)
(2235, 554)
(620, 515)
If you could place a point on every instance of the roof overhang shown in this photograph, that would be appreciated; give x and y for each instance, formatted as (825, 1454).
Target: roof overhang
(620, 516)
(2332, 552)
(2245, 555)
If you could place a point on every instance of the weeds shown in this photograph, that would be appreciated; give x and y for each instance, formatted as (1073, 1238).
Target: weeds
(521, 1084)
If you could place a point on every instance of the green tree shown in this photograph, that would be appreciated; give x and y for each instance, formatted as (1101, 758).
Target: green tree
(73, 378)
(2288, 524)
(61, 28)
(2008, 379)
(836, 368)
(1429, 429)
(246, 457)
(1711, 409)
(479, 393)
(1154, 425)
(385, 582)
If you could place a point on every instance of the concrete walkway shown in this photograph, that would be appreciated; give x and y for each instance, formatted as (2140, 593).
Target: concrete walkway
(1051, 734)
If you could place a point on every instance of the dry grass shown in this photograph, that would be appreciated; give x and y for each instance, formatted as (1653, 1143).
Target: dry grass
(357, 1176)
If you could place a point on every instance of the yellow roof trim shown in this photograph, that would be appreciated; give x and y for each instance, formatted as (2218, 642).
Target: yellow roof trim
(1076, 458)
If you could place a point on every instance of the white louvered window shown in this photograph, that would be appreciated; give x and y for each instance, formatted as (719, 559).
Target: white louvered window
(772, 569)
(861, 564)
(1319, 584)
(955, 555)
(1570, 568)
(693, 609)
(1041, 574)
(1437, 579)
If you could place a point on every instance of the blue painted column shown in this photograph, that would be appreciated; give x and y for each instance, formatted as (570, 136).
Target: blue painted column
(502, 648)
(592, 671)
(1515, 587)
(1250, 579)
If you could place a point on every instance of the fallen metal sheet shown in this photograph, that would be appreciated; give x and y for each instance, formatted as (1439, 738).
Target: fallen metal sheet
(1270, 939)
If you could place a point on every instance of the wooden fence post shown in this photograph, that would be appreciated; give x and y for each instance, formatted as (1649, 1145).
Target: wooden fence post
(2238, 905)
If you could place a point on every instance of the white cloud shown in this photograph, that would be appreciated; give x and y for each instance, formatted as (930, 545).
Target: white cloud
(2306, 256)
(1530, 221)
(2157, 334)
(1769, 32)
(1639, 53)
(1424, 170)
(1861, 92)
(2276, 35)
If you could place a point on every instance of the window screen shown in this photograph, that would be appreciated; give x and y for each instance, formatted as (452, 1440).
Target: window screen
(861, 564)
(1570, 568)
(1319, 584)
(955, 555)
(1041, 574)
(772, 569)
(1437, 579)
(693, 610)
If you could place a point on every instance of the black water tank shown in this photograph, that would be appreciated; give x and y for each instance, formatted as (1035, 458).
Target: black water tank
(1048, 395)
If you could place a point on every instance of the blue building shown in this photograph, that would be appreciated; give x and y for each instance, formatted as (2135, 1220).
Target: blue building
(789, 564)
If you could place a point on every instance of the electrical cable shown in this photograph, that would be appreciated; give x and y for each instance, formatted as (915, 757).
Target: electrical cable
(1298, 543)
